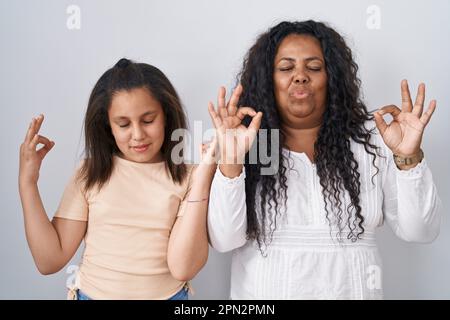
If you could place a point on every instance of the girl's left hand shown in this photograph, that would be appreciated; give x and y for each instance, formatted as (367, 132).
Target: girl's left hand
(208, 152)
(208, 163)
(404, 134)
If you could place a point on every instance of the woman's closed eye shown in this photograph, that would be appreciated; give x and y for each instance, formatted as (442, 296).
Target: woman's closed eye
(285, 68)
(315, 68)
(311, 68)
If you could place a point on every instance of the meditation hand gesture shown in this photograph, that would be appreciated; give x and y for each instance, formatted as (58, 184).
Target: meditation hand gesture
(404, 134)
(234, 138)
(30, 158)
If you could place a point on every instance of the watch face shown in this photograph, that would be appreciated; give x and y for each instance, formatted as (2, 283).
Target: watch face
(399, 160)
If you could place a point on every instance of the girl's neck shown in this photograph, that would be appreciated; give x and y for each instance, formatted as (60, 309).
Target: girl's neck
(158, 158)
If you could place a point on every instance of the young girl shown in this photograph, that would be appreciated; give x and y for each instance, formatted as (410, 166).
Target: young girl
(142, 217)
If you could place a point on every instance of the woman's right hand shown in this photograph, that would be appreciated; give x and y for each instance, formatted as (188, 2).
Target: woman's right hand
(234, 138)
(30, 158)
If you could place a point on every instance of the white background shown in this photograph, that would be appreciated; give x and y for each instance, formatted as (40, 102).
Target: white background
(47, 68)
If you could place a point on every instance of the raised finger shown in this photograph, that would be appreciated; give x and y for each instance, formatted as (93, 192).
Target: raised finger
(39, 120)
(234, 100)
(426, 116)
(420, 99)
(214, 116)
(30, 132)
(222, 108)
(406, 97)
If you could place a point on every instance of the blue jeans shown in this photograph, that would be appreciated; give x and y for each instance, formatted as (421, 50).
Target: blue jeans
(180, 295)
(82, 296)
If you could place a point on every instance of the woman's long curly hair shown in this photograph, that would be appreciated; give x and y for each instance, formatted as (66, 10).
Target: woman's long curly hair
(343, 121)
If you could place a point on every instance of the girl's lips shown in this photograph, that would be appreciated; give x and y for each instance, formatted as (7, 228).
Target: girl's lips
(141, 148)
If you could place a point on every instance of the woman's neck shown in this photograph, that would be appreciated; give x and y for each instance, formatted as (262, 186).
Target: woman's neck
(301, 139)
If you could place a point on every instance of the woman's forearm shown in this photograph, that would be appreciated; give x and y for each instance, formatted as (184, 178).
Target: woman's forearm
(419, 217)
(227, 218)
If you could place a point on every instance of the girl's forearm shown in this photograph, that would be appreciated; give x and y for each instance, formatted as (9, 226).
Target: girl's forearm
(190, 246)
(42, 236)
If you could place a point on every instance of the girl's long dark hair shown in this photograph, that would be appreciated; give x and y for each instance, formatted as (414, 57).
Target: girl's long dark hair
(100, 146)
(343, 121)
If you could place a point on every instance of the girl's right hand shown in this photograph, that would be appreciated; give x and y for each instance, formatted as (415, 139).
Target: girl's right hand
(234, 138)
(30, 158)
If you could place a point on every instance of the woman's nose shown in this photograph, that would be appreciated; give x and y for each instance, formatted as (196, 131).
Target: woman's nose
(301, 78)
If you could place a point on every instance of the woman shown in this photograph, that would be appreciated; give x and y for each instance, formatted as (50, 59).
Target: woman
(307, 232)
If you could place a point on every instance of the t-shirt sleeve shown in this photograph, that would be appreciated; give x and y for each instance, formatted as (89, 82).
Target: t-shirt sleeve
(74, 204)
(183, 203)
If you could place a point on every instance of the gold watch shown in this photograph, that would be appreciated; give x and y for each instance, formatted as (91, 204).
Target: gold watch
(400, 161)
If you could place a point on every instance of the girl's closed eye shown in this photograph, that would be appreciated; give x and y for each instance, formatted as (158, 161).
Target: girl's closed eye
(124, 125)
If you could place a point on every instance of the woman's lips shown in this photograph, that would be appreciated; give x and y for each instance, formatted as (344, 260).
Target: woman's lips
(299, 94)
(141, 148)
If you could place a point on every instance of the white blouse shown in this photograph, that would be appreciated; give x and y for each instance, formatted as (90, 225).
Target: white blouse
(305, 260)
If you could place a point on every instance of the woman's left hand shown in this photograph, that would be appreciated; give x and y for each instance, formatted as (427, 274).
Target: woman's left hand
(404, 134)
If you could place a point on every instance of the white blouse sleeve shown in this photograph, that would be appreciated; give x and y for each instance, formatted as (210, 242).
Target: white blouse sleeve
(411, 203)
(227, 212)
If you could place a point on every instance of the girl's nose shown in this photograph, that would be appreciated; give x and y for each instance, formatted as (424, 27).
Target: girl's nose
(138, 133)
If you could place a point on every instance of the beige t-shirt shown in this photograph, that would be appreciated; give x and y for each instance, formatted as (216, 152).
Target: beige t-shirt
(129, 223)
